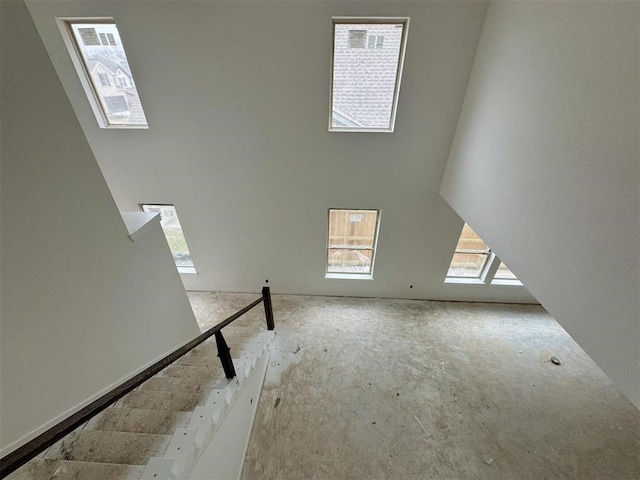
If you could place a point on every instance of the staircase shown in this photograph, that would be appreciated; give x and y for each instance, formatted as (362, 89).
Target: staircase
(159, 430)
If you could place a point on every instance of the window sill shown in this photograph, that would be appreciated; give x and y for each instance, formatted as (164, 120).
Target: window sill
(361, 129)
(464, 281)
(187, 270)
(349, 276)
(478, 281)
(512, 283)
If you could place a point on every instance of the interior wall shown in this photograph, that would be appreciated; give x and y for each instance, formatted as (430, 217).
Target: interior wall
(82, 306)
(237, 99)
(544, 166)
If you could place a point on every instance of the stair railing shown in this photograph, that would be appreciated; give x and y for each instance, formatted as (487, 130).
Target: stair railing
(34, 447)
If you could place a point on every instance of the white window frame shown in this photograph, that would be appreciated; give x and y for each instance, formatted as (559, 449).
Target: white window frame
(401, 54)
(64, 25)
(374, 249)
(487, 274)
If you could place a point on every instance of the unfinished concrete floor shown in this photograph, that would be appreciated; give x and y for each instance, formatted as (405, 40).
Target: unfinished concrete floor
(367, 388)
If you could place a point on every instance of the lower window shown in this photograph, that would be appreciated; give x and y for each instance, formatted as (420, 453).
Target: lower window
(351, 241)
(470, 256)
(473, 262)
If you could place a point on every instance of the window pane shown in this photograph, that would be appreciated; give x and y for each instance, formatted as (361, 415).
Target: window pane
(352, 228)
(504, 273)
(365, 73)
(470, 241)
(108, 70)
(349, 261)
(351, 240)
(468, 265)
(173, 232)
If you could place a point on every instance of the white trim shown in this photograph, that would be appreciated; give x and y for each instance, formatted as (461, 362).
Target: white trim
(187, 270)
(224, 457)
(348, 276)
(490, 268)
(507, 282)
(463, 281)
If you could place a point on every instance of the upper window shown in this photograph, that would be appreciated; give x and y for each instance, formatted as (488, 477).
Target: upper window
(351, 242)
(175, 237)
(365, 79)
(474, 262)
(98, 55)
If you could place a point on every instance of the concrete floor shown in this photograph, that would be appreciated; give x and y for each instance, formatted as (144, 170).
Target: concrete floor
(369, 388)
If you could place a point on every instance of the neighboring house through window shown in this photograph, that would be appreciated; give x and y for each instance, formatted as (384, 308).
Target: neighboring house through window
(101, 63)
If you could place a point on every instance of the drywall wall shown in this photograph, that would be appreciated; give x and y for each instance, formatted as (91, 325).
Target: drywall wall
(545, 166)
(82, 305)
(237, 99)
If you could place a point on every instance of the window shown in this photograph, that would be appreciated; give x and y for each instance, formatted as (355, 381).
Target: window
(100, 60)
(351, 242)
(366, 70)
(175, 237)
(474, 262)
(470, 256)
(375, 41)
(357, 38)
(122, 82)
(116, 104)
(503, 273)
(104, 80)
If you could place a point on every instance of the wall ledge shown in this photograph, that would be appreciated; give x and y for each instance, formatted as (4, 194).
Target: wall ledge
(139, 223)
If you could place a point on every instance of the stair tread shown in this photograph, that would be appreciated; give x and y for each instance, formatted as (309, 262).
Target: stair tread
(187, 371)
(110, 447)
(37, 469)
(47, 469)
(69, 470)
(200, 360)
(139, 420)
(177, 384)
(159, 400)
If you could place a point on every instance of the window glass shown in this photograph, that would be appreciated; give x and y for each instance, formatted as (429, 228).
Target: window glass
(470, 256)
(366, 74)
(351, 240)
(107, 69)
(173, 231)
(504, 273)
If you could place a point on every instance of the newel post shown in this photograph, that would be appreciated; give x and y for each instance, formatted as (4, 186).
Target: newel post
(268, 311)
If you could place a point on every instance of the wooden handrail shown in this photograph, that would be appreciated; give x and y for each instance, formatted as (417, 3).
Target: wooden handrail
(29, 450)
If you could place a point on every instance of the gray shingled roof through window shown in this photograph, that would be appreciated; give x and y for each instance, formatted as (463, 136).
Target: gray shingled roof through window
(364, 77)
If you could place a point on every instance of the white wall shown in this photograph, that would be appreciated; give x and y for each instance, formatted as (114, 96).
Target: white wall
(545, 166)
(82, 306)
(237, 99)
